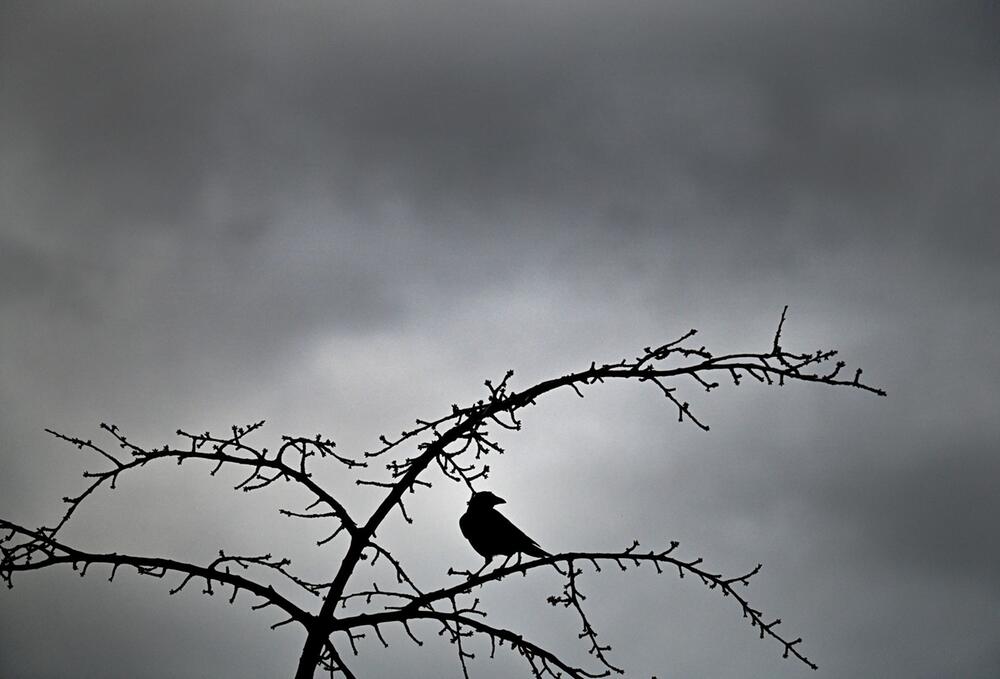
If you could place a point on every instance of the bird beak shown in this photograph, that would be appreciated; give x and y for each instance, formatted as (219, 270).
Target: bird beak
(501, 501)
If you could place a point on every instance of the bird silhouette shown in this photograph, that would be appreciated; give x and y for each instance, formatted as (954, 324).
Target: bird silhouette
(491, 533)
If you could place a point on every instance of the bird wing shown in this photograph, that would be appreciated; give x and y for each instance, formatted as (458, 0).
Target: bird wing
(508, 537)
(478, 534)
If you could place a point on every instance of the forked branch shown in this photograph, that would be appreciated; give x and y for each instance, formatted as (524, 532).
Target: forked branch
(568, 565)
(459, 445)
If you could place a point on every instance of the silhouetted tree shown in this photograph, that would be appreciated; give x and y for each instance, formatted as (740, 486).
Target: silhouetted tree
(457, 444)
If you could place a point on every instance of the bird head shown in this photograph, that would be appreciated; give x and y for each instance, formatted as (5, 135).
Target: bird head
(485, 499)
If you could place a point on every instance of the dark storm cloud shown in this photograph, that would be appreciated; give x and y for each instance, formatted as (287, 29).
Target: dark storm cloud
(116, 120)
(22, 271)
(566, 117)
(339, 213)
(935, 513)
(920, 504)
(500, 103)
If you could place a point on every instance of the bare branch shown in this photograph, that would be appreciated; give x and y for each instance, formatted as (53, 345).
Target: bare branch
(460, 444)
(233, 451)
(530, 650)
(28, 550)
(467, 424)
(630, 556)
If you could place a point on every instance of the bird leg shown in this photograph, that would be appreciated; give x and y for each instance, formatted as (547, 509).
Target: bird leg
(483, 568)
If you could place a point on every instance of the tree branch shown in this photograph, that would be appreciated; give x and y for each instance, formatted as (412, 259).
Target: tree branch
(39, 550)
(528, 649)
(467, 423)
(206, 447)
(630, 556)
(457, 444)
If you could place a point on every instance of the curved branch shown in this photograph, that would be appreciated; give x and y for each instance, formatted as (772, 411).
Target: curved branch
(628, 557)
(43, 551)
(257, 460)
(462, 433)
(527, 648)
(647, 367)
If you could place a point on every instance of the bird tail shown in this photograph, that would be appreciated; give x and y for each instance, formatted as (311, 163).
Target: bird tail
(536, 551)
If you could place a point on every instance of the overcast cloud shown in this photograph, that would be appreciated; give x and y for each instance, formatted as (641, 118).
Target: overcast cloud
(341, 216)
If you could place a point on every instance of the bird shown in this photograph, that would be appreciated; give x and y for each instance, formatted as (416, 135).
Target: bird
(491, 533)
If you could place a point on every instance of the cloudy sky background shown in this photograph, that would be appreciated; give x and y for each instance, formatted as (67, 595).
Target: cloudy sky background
(342, 216)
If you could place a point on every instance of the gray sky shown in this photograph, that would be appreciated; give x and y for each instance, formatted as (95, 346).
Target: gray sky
(342, 216)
